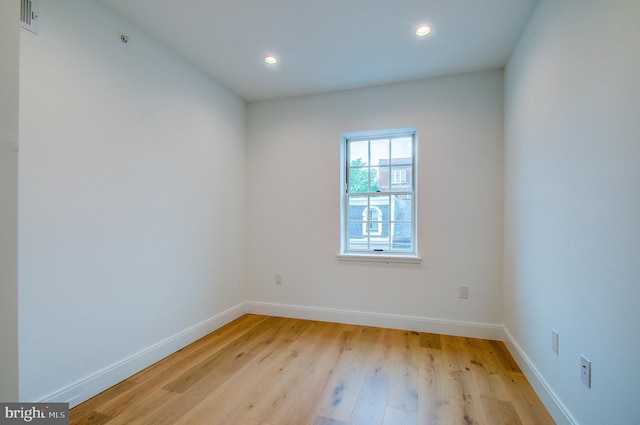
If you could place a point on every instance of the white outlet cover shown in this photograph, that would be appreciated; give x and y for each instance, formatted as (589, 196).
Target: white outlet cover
(585, 371)
(463, 292)
(554, 340)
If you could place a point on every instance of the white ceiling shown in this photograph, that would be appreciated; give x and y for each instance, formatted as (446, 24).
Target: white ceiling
(328, 45)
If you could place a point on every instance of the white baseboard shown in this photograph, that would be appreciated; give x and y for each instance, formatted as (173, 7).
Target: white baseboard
(97, 382)
(556, 408)
(420, 324)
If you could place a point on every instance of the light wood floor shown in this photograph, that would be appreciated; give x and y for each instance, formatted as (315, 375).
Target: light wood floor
(262, 370)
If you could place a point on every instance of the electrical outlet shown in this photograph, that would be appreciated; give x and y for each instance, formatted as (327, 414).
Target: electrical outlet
(278, 279)
(463, 292)
(585, 371)
(554, 340)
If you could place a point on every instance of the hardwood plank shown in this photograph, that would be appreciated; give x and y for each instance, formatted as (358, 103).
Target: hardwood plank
(483, 372)
(495, 372)
(320, 420)
(308, 377)
(197, 351)
(342, 392)
(394, 416)
(146, 409)
(274, 383)
(88, 408)
(160, 373)
(428, 340)
(517, 389)
(229, 362)
(501, 353)
(230, 353)
(403, 393)
(371, 404)
(90, 418)
(269, 372)
(492, 356)
(458, 398)
(500, 412)
(448, 393)
(429, 388)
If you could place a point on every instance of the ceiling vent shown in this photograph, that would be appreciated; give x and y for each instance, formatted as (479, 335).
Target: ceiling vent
(29, 11)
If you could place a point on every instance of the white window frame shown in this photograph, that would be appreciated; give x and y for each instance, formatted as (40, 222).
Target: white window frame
(390, 255)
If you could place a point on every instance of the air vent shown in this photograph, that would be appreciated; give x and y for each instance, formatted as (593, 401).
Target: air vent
(29, 11)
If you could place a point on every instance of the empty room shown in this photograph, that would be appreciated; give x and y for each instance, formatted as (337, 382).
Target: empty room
(263, 212)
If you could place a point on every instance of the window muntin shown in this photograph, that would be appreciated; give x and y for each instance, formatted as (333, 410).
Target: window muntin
(378, 193)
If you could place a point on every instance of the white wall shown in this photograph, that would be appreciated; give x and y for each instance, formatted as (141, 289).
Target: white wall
(132, 188)
(572, 203)
(9, 83)
(294, 210)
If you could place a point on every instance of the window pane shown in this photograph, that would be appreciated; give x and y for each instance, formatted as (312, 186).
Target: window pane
(356, 205)
(402, 236)
(381, 241)
(359, 153)
(380, 152)
(375, 179)
(383, 179)
(372, 221)
(402, 208)
(359, 179)
(400, 178)
(401, 226)
(355, 239)
(401, 150)
(381, 203)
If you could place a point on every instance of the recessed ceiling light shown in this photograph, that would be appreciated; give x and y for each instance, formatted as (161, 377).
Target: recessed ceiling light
(423, 30)
(271, 60)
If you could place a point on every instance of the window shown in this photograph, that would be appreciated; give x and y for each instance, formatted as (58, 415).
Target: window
(399, 177)
(378, 194)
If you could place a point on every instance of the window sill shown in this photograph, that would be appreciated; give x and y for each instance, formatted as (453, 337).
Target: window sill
(380, 258)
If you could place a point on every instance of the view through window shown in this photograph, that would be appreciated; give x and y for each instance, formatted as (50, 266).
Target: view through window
(378, 192)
